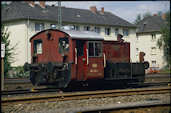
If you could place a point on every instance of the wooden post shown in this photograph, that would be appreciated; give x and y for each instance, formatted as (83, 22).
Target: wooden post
(2, 65)
(2, 74)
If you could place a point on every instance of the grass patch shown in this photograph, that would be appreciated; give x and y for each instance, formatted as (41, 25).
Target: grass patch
(165, 71)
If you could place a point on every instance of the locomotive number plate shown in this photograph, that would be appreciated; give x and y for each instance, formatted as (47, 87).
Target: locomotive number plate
(95, 70)
(94, 65)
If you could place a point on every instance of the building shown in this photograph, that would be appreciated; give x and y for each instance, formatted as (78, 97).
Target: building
(147, 36)
(24, 19)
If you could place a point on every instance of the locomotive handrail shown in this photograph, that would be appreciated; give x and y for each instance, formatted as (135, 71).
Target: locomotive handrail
(87, 57)
(75, 55)
(131, 68)
(104, 60)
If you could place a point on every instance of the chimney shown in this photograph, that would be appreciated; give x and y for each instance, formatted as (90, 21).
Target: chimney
(141, 56)
(119, 38)
(154, 14)
(42, 4)
(102, 9)
(93, 9)
(30, 2)
(163, 16)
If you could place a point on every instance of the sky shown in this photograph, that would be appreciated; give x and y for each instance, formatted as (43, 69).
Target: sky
(127, 10)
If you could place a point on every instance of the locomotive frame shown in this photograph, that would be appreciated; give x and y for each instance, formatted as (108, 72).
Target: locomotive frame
(62, 57)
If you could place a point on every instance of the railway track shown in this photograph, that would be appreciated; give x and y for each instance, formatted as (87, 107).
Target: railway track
(27, 80)
(45, 90)
(159, 106)
(85, 95)
(25, 84)
(29, 91)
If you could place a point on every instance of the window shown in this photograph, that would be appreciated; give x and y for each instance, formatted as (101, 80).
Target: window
(80, 48)
(116, 31)
(153, 37)
(97, 29)
(145, 23)
(137, 37)
(39, 26)
(76, 27)
(37, 46)
(107, 31)
(137, 51)
(125, 32)
(153, 63)
(63, 45)
(86, 28)
(98, 51)
(95, 49)
(153, 50)
(53, 26)
(91, 49)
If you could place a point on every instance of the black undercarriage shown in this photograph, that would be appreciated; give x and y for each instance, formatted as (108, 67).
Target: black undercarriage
(58, 74)
(49, 74)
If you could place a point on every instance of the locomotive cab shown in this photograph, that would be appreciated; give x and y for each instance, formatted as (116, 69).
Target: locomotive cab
(88, 56)
(90, 59)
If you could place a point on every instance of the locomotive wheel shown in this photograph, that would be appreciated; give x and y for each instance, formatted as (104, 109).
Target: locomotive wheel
(35, 77)
(63, 78)
(32, 77)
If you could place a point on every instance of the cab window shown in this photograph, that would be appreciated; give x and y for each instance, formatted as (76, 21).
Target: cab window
(80, 47)
(63, 45)
(37, 46)
(95, 49)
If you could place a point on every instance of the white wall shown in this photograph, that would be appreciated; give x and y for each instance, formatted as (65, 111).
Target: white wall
(17, 36)
(132, 39)
(144, 44)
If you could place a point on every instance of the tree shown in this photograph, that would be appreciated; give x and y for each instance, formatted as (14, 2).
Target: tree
(159, 13)
(3, 5)
(164, 41)
(147, 14)
(8, 59)
(138, 19)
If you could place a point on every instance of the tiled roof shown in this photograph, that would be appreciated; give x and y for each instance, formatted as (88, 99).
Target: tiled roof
(22, 10)
(151, 24)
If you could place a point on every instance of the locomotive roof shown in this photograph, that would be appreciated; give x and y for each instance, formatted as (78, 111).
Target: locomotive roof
(86, 35)
(74, 34)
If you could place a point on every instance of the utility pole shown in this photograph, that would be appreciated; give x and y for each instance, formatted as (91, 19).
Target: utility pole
(59, 15)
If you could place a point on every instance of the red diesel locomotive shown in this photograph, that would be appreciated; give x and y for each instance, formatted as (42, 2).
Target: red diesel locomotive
(62, 57)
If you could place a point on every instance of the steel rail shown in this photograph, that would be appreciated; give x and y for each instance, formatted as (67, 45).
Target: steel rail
(153, 106)
(29, 91)
(17, 83)
(27, 81)
(86, 95)
(43, 90)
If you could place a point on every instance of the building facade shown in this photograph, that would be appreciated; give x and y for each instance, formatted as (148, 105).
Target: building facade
(147, 36)
(25, 19)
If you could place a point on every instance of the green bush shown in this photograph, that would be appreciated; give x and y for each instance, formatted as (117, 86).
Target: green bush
(19, 72)
(165, 70)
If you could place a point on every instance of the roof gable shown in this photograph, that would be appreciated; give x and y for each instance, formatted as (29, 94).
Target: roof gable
(151, 24)
(22, 10)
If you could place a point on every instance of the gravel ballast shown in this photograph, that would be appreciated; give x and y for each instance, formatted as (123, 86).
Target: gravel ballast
(74, 105)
